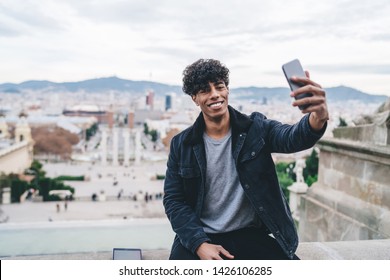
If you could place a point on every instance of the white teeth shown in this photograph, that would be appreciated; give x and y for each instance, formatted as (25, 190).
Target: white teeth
(216, 104)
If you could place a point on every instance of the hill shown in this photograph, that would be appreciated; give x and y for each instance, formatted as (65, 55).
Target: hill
(334, 94)
(102, 85)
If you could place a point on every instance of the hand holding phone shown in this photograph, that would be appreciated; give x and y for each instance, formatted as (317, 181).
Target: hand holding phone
(291, 69)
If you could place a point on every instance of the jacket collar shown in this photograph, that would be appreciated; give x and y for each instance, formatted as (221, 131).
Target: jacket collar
(238, 121)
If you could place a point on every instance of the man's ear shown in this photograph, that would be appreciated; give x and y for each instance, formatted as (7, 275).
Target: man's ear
(194, 99)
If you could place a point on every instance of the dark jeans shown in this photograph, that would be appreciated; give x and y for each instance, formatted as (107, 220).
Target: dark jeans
(243, 244)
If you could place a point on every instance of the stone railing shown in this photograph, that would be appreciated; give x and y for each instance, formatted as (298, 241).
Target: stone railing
(12, 148)
(340, 250)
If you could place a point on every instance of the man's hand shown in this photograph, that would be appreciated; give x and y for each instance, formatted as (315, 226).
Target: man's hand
(318, 107)
(207, 251)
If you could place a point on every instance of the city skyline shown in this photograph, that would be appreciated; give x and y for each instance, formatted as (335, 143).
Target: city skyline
(340, 42)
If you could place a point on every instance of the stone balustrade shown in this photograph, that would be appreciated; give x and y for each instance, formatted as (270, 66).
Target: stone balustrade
(341, 250)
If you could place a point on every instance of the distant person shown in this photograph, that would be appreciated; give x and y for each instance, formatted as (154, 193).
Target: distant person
(30, 194)
(146, 197)
(66, 205)
(222, 194)
(120, 194)
(58, 207)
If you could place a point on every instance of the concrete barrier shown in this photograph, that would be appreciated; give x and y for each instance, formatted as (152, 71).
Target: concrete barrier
(341, 250)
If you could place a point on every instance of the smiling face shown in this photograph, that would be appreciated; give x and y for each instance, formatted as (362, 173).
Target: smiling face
(213, 102)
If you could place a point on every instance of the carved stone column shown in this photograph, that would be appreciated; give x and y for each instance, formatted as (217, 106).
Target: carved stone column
(126, 148)
(115, 146)
(103, 147)
(138, 147)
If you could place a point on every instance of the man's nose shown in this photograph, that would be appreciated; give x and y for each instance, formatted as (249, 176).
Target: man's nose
(214, 92)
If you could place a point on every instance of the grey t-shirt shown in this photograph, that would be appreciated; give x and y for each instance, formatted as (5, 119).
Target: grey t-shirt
(225, 206)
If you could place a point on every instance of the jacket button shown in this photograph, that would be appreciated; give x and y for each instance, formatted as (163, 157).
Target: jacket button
(253, 154)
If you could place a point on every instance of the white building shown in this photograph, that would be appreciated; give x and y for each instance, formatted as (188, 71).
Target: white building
(16, 154)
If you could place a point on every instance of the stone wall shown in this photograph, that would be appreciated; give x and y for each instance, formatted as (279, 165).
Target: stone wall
(345, 250)
(16, 158)
(351, 200)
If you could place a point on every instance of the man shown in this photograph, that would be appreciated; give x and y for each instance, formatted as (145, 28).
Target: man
(222, 194)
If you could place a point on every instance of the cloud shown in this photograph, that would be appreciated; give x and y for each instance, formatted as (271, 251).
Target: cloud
(382, 69)
(8, 31)
(25, 18)
(76, 39)
(380, 36)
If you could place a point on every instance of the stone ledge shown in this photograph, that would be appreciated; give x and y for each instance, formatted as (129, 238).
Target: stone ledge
(340, 250)
(364, 151)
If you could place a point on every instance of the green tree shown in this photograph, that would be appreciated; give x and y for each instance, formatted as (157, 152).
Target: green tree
(36, 166)
(45, 185)
(154, 134)
(5, 182)
(342, 122)
(284, 182)
(310, 172)
(286, 176)
(18, 187)
(311, 179)
(48, 184)
(91, 131)
(146, 129)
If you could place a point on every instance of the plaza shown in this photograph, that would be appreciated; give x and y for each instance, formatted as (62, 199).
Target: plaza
(43, 228)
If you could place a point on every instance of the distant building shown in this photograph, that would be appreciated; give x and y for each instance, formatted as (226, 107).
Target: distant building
(3, 128)
(16, 154)
(168, 102)
(150, 100)
(172, 102)
(130, 119)
(102, 116)
(141, 115)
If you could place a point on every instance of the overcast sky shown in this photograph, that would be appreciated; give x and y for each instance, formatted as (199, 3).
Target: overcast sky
(341, 42)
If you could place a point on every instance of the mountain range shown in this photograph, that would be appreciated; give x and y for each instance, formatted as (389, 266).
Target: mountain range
(103, 85)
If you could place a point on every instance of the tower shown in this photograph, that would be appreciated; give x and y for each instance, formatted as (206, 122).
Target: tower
(168, 102)
(130, 120)
(150, 100)
(23, 130)
(3, 127)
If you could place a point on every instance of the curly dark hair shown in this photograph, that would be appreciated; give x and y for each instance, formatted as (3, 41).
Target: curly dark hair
(196, 77)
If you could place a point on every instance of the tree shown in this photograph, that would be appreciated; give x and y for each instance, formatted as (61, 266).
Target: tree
(36, 166)
(286, 176)
(5, 182)
(56, 141)
(91, 131)
(146, 129)
(342, 122)
(310, 172)
(41, 183)
(154, 134)
(18, 187)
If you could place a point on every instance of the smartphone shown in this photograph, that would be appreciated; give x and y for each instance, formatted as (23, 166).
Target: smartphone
(294, 68)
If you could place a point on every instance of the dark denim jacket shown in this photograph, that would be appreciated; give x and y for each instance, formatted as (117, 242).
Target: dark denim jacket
(254, 138)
